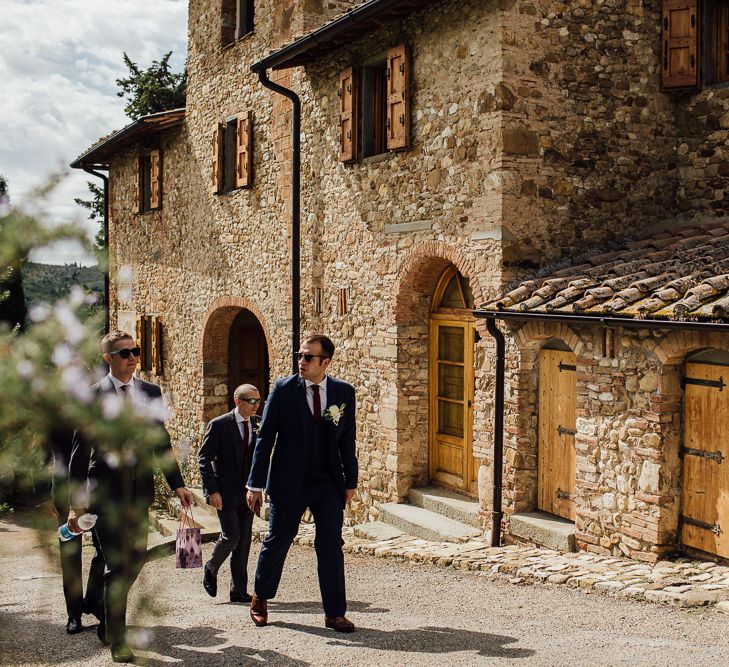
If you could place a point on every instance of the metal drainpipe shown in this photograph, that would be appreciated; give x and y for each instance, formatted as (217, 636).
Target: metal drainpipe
(106, 243)
(496, 512)
(295, 210)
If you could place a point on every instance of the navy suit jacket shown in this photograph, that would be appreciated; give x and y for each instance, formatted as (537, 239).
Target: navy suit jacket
(287, 424)
(224, 462)
(114, 482)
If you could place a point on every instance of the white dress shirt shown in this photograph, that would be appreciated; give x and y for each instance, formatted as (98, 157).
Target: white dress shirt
(239, 420)
(322, 395)
(118, 384)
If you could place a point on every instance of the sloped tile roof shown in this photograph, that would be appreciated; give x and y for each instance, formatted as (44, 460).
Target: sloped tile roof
(681, 274)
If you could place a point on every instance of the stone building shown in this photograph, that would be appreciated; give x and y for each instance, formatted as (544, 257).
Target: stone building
(451, 151)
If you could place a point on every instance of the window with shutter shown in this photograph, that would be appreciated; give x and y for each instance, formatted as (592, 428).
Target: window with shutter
(398, 98)
(244, 150)
(155, 168)
(236, 20)
(217, 167)
(679, 53)
(143, 341)
(156, 346)
(348, 121)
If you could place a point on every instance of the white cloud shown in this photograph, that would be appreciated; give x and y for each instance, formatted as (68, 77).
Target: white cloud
(58, 65)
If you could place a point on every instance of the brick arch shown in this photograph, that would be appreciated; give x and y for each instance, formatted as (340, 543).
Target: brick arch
(418, 276)
(677, 344)
(533, 335)
(213, 349)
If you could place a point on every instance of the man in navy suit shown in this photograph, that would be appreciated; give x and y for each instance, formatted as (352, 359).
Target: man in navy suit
(225, 461)
(310, 417)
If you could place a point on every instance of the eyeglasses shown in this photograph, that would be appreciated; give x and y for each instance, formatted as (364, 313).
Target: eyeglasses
(309, 357)
(125, 352)
(250, 401)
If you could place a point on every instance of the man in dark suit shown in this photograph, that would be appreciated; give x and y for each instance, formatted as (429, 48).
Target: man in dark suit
(62, 440)
(121, 477)
(225, 461)
(310, 417)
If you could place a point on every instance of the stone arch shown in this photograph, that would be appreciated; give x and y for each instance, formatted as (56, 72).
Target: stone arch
(408, 431)
(213, 350)
(521, 408)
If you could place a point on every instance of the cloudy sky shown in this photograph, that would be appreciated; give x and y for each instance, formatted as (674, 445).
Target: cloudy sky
(59, 61)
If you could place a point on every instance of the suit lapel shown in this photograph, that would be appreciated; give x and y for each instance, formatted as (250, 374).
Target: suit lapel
(235, 438)
(303, 404)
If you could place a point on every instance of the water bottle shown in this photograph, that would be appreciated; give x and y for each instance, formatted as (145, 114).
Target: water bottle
(85, 522)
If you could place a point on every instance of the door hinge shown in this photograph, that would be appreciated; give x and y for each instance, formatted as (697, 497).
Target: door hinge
(566, 367)
(716, 456)
(563, 430)
(711, 527)
(563, 495)
(719, 384)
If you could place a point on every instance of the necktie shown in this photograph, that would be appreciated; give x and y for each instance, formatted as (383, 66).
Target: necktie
(245, 434)
(317, 401)
(124, 389)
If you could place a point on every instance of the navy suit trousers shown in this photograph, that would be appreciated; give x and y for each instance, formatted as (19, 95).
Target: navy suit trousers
(326, 506)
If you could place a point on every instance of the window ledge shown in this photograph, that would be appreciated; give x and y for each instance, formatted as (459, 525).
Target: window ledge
(235, 42)
(374, 159)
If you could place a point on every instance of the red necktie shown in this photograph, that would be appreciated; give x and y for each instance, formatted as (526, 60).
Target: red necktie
(317, 401)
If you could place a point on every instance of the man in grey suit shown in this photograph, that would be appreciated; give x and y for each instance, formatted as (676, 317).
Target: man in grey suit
(225, 461)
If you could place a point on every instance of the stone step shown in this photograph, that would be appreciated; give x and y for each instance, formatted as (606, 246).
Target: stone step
(376, 531)
(447, 503)
(544, 529)
(427, 525)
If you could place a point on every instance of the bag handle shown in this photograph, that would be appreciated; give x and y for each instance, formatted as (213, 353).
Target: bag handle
(186, 518)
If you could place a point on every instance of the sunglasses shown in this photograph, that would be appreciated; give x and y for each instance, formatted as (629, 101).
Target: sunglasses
(250, 401)
(125, 352)
(309, 357)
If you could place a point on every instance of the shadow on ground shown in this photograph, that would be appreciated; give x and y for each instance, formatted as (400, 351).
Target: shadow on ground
(436, 640)
(316, 608)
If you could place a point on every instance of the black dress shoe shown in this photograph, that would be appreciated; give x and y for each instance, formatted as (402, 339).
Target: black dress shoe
(240, 597)
(101, 633)
(74, 625)
(122, 653)
(210, 582)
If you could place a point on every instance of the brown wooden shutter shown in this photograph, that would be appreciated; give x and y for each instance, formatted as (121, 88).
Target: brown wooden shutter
(679, 49)
(142, 341)
(156, 334)
(244, 150)
(155, 179)
(398, 98)
(348, 114)
(218, 143)
(138, 189)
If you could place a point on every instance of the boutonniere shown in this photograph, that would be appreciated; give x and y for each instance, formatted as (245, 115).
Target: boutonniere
(334, 413)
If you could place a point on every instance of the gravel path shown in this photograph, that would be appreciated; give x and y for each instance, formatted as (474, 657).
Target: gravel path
(407, 614)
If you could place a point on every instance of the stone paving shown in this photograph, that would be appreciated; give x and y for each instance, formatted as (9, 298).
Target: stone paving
(681, 582)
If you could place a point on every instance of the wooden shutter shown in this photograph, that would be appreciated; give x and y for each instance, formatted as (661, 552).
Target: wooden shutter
(142, 341)
(156, 335)
(348, 114)
(218, 143)
(679, 49)
(398, 98)
(244, 150)
(138, 187)
(155, 179)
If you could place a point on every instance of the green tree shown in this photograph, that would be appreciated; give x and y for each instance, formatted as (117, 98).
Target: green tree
(95, 207)
(152, 90)
(12, 298)
(3, 188)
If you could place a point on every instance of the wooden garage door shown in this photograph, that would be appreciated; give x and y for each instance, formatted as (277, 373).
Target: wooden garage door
(705, 510)
(557, 418)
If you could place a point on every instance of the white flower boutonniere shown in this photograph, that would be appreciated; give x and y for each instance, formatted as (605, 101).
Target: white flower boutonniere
(334, 413)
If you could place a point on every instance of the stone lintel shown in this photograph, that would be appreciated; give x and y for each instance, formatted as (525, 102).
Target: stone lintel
(403, 227)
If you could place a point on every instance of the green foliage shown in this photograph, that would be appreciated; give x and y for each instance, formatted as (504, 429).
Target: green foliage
(12, 298)
(152, 90)
(47, 283)
(95, 207)
(3, 187)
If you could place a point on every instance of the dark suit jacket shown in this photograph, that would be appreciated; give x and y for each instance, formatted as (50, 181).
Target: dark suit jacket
(115, 479)
(223, 460)
(287, 423)
(61, 442)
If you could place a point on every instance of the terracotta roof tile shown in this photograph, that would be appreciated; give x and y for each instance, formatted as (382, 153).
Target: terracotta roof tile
(678, 274)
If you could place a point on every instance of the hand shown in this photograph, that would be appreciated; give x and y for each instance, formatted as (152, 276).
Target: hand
(348, 495)
(216, 501)
(73, 521)
(185, 496)
(255, 500)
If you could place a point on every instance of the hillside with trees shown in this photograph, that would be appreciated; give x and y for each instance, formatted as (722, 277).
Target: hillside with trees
(50, 282)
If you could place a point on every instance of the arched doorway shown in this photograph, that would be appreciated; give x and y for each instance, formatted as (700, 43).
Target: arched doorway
(247, 355)
(705, 493)
(452, 340)
(557, 429)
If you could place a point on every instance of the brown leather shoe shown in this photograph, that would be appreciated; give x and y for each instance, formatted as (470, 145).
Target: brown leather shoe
(339, 623)
(259, 611)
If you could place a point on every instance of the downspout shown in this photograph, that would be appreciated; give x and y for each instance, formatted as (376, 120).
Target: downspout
(496, 512)
(295, 210)
(106, 243)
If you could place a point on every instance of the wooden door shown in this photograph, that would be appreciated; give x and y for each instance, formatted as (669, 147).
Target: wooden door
(557, 420)
(451, 404)
(705, 512)
(247, 355)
